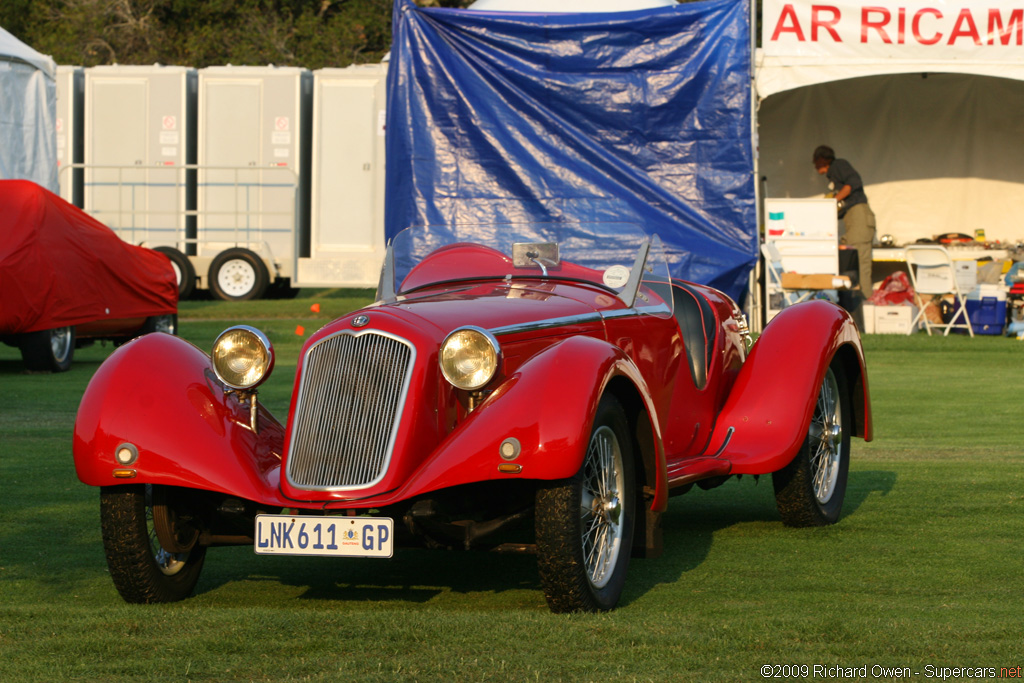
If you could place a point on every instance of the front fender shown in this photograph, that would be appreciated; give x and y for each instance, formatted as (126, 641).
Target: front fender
(766, 417)
(159, 393)
(547, 406)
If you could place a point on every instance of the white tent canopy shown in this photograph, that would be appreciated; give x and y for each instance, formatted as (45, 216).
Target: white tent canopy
(28, 93)
(932, 123)
(779, 74)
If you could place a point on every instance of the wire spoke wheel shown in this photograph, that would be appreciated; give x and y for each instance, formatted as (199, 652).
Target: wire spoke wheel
(825, 436)
(601, 506)
(809, 491)
(585, 524)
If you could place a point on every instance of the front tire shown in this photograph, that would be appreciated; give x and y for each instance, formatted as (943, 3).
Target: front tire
(809, 491)
(142, 570)
(584, 525)
(48, 350)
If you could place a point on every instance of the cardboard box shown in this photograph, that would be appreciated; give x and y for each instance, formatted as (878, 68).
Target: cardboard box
(894, 319)
(966, 273)
(817, 281)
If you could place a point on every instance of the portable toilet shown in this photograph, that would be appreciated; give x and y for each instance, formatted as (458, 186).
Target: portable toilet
(251, 189)
(138, 137)
(345, 245)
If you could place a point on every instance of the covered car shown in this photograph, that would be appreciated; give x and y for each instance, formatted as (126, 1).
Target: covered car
(66, 279)
(498, 396)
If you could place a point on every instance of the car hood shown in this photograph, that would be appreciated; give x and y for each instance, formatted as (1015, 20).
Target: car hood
(494, 305)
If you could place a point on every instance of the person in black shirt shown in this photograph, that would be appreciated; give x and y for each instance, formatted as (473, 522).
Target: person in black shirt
(858, 218)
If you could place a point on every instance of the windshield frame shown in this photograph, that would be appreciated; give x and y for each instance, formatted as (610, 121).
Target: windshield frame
(649, 266)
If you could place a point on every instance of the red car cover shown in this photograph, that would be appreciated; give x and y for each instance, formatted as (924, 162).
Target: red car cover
(59, 266)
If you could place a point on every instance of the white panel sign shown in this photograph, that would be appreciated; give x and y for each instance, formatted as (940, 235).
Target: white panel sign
(933, 30)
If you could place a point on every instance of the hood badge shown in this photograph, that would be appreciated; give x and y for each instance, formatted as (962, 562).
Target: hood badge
(360, 321)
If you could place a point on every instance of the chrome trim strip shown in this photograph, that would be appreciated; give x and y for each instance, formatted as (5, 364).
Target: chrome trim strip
(578, 319)
(725, 444)
(537, 325)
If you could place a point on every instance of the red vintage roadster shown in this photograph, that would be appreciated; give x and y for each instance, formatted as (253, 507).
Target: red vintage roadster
(545, 391)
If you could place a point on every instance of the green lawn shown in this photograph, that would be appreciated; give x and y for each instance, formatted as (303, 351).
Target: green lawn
(923, 569)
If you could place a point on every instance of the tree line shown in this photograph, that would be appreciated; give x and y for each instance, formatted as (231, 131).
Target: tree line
(309, 33)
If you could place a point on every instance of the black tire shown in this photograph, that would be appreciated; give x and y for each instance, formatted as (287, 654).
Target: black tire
(161, 323)
(584, 525)
(143, 572)
(183, 270)
(238, 275)
(48, 350)
(809, 491)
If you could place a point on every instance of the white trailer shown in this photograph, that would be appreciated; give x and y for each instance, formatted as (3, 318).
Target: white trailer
(255, 181)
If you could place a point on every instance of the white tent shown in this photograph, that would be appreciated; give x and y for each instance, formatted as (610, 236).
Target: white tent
(923, 97)
(28, 95)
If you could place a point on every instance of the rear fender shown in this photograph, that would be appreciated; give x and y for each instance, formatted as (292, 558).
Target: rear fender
(766, 417)
(547, 406)
(159, 394)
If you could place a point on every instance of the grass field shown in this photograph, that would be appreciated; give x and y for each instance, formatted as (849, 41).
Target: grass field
(923, 570)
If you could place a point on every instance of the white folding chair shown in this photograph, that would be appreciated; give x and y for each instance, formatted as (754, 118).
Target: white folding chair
(773, 264)
(931, 272)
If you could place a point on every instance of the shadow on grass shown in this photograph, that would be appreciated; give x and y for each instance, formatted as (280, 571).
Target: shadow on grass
(12, 367)
(417, 576)
(692, 520)
(412, 575)
(87, 364)
(57, 546)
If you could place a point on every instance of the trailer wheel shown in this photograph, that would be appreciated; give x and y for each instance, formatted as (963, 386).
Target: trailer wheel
(183, 270)
(238, 275)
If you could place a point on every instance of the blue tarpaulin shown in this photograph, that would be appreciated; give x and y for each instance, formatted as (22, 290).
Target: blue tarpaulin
(640, 116)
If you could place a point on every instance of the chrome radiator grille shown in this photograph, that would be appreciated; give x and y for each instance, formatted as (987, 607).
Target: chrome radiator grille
(350, 401)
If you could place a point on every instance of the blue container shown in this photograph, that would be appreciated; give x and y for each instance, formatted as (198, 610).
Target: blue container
(987, 314)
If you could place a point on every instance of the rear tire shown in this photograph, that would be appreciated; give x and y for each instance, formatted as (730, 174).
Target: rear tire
(809, 491)
(238, 275)
(48, 350)
(142, 570)
(183, 270)
(584, 525)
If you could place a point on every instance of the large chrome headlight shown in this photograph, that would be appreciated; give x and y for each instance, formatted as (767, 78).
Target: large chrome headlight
(469, 357)
(242, 357)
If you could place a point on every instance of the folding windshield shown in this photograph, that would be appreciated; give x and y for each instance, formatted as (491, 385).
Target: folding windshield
(618, 257)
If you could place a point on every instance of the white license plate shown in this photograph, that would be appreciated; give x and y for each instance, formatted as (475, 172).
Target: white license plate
(332, 536)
